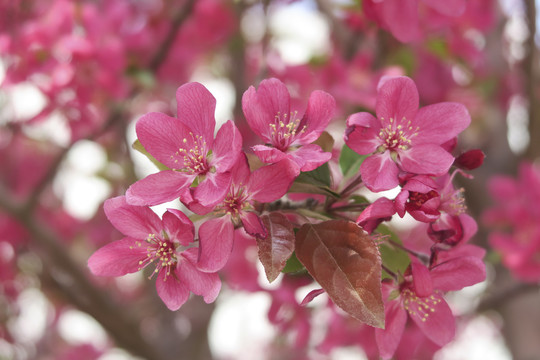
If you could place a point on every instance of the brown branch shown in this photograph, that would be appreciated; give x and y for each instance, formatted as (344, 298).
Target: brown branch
(496, 300)
(530, 76)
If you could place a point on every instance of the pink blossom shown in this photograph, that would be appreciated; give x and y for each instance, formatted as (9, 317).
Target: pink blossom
(403, 137)
(419, 297)
(187, 146)
(290, 137)
(166, 243)
(216, 235)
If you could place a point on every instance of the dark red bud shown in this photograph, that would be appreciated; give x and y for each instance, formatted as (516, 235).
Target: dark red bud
(470, 160)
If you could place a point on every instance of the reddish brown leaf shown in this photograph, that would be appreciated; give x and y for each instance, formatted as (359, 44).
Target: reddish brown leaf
(278, 246)
(346, 263)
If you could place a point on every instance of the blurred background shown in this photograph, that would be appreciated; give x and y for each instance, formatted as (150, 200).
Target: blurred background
(76, 75)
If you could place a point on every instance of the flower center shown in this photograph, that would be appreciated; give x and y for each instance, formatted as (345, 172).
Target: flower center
(396, 135)
(417, 199)
(235, 201)
(285, 129)
(454, 203)
(192, 156)
(160, 252)
(420, 307)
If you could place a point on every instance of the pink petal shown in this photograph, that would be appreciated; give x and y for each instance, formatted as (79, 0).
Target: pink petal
(397, 98)
(216, 243)
(158, 188)
(457, 273)
(204, 284)
(311, 295)
(268, 154)
(309, 157)
(362, 134)
(426, 159)
(173, 292)
(178, 227)
(421, 279)
(213, 189)
(117, 258)
(439, 123)
(380, 210)
(262, 105)
(379, 172)
(133, 221)
(320, 110)
(271, 182)
(253, 224)
(196, 108)
(389, 338)
(227, 147)
(439, 324)
(240, 171)
(162, 136)
(401, 17)
(450, 7)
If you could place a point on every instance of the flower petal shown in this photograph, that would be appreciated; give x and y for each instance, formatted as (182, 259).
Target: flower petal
(434, 317)
(439, 123)
(178, 227)
(309, 157)
(158, 188)
(457, 273)
(401, 17)
(388, 338)
(213, 189)
(216, 243)
(320, 110)
(227, 147)
(426, 159)
(362, 134)
(201, 283)
(397, 99)
(253, 224)
(172, 291)
(196, 108)
(379, 172)
(133, 221)
(261, 106)
(271, 182)
(117, 258)
(448, 7)
(268, 154)
(162, 136)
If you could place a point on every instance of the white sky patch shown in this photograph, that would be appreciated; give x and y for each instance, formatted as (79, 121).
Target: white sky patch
(299, 33)
(239, 328)
(479, 339)
(25, 100)
(223, 90)
(77, 184)
(517, 121)
(253, 24)
(30, 325)
(77, 328)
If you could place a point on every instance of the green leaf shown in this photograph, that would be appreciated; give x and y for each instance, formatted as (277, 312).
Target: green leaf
(138, 146)
(293, 265)
(317, 181)
(350, 161)
(345, 261)
(395, 259)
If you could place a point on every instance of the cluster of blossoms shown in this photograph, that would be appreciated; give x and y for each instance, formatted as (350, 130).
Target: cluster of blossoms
(210, 174)
(514, 217)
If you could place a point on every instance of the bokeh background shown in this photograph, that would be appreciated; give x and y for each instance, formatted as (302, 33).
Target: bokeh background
(76, 75)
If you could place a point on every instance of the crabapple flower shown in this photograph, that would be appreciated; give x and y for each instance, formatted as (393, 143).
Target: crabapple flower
(187, 147)
(403, 138)
(164, 243)
(288, 136)
(216, 235)
(419, 297)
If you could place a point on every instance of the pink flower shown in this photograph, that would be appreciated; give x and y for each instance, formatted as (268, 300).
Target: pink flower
(187, 146)
(420, 297)
(150, 240)
(269, 115)
(216, 235)
(403, 137)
